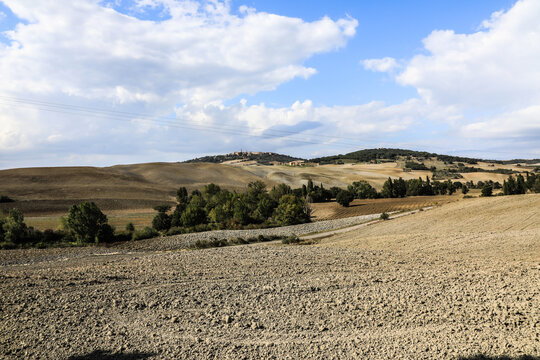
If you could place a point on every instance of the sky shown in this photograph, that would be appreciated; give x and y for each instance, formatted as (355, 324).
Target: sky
(99, 83)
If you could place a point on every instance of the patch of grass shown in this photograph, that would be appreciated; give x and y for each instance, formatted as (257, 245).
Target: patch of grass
(293, 239)
(146, 233)
(214, 242)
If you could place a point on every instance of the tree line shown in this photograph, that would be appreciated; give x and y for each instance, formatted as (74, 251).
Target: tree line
(214, 208)
(209, 209)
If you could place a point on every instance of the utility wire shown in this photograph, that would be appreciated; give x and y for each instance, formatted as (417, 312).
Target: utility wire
(168, 121)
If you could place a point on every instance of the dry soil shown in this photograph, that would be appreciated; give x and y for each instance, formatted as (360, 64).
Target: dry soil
(452, 282)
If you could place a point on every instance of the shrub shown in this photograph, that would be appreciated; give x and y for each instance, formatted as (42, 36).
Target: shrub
(14, 228)
(292, 239)
(487, 190)
(344, 198)
(146, 233)
(6, 199)
(384, 216)
(130, 228)
(123, 236)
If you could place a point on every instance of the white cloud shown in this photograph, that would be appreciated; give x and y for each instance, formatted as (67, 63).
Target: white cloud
(386, 64)
(497, 68)
(523, 123)
(88, 54)
(202, 53)
(490, 79)
(350, 125)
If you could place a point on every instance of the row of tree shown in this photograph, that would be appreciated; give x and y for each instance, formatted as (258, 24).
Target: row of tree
(223, 209)
(85, 223)
(520, 184)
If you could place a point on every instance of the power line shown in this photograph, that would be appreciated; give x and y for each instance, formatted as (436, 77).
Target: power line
(168, 121)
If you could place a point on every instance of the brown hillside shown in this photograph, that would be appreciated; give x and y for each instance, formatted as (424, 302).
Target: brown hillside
(53, 190)
(498, 226)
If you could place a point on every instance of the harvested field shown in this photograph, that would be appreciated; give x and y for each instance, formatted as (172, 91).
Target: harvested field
(332, 210)
(452, 282)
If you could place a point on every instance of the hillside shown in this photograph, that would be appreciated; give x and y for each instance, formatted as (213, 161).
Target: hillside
(241, 156)
(456, 282)
(488, 227)
(54, 190)
(139, 187)
(393, 154)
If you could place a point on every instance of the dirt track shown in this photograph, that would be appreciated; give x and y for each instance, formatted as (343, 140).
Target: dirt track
(454, 281)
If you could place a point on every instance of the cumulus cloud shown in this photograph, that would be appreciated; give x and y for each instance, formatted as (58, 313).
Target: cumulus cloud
(304, 122)
(497, 68)
(490, 78)
(523, 123)
(87, 53)
(386, 64)
(200, 54)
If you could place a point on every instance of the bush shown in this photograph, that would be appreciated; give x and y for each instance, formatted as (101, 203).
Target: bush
(344, 198)
(130, 228)
(487, 190)
(384, 216)
(292, 239)
(146, 233)
(14, 228)
(161, 222)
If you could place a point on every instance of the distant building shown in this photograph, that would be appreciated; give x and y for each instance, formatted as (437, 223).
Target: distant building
(296, 163)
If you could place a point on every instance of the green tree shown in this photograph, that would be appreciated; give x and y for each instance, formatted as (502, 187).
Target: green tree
(291, 210)
(14, 228)
(162, 221)
(87, 223)
(400, 188)
(521, 187)
(362, 190)
(388, 189)
(487, 190)
(536, 186)
(278, 191)
(241, 211)
(194, 213)
(265, 208)
(464, 189)
(130, 228)
(210, 190)
(182, 195)
(344, 198)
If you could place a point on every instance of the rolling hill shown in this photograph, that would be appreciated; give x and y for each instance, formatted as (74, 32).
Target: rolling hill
(46, 191)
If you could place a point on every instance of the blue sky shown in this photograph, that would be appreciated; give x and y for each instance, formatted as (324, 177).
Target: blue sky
(105, 82)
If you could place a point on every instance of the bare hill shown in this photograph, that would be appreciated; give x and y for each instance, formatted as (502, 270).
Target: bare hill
(456, 282)
(502, 226)
(53, 190)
